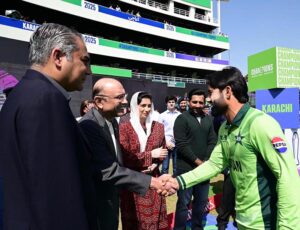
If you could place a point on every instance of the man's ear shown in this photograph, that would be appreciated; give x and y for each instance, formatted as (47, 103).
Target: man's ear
(98, 102)
(56, 56)
(228, 92)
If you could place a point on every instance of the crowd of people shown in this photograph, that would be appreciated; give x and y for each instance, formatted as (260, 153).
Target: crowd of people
(62, 174)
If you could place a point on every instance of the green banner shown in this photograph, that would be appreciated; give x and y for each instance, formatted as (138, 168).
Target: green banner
(288, 69)
(204, 3)
(262, 70)
(75, 2)
(130, 47)
(277, 67)
(109, 71)
(201, 34)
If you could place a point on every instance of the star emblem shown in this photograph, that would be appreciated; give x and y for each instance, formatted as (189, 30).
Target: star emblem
(239, 138)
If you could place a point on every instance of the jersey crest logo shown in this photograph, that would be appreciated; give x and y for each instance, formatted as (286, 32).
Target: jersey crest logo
(279, 145)
(239, 138)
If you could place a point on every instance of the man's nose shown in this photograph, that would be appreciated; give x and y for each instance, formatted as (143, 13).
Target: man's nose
(124, 101)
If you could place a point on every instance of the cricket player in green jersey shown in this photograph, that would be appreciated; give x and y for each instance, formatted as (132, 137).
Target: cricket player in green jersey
(253, 146)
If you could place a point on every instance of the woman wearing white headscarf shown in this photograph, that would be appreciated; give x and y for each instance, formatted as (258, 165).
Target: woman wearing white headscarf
(143, 146)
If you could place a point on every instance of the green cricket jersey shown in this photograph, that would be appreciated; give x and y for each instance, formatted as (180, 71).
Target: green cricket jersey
(262, 168)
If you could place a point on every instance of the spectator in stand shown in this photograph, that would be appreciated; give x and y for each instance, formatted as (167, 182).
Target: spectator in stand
(13, 14)
(118, 8)
(168, 118)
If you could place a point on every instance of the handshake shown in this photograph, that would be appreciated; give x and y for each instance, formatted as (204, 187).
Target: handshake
(165, 185)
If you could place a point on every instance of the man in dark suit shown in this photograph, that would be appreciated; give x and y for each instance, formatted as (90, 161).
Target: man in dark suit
(101, 129)
(42, 154)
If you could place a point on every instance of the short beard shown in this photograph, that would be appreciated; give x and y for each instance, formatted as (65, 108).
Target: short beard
(218, 110)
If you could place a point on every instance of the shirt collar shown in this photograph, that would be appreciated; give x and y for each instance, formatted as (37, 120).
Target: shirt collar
(59, 87)
(175, 111)
(240, 116)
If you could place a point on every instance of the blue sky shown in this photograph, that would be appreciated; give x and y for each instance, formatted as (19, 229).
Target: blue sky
(256, 25)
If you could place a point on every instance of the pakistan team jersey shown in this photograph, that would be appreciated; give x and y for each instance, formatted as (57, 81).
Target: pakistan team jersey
(262, 168)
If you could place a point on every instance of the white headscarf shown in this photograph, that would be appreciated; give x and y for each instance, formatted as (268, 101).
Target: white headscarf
(136, 123)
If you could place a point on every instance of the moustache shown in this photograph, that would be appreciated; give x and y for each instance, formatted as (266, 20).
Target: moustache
(122, 108)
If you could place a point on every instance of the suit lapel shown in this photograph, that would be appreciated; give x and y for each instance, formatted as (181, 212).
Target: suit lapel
(103, 125)
(116, 131)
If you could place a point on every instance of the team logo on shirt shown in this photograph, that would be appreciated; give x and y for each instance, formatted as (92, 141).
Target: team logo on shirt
(239, 138)
(279, 145)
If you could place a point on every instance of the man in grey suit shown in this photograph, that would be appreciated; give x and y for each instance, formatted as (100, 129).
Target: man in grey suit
(101, 130)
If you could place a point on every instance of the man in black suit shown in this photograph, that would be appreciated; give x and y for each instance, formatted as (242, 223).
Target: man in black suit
(43, 153)
(101, 129)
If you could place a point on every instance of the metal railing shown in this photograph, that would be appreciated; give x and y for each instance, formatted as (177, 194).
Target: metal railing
(181, 12)
(200, 16)
(158, 5)
(164, 78)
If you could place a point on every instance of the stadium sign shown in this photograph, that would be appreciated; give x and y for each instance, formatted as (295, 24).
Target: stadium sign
(274, 68)
(282, 104)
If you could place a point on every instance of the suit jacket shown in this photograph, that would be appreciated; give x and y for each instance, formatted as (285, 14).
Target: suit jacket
(43, 160)
(106, 164)
(109, 175)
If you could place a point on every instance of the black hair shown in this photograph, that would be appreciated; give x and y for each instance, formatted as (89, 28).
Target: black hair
(143, 95)
(196, 91)
(230, 76)
(170, 98)
(181, 99)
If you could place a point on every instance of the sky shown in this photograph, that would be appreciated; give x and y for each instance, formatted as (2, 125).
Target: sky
(255, 25)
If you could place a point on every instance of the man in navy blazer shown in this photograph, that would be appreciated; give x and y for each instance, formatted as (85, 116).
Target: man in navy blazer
(43, 155)
(102, 131)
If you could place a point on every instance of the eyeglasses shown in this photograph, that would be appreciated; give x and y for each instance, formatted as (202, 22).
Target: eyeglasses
(120, 97)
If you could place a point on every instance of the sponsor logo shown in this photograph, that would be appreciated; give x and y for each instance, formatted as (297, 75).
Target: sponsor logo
(279, 145)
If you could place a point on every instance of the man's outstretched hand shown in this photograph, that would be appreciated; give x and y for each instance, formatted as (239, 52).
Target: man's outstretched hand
(165, 185)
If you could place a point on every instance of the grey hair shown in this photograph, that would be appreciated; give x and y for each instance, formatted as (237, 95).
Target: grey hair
(49, 36)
